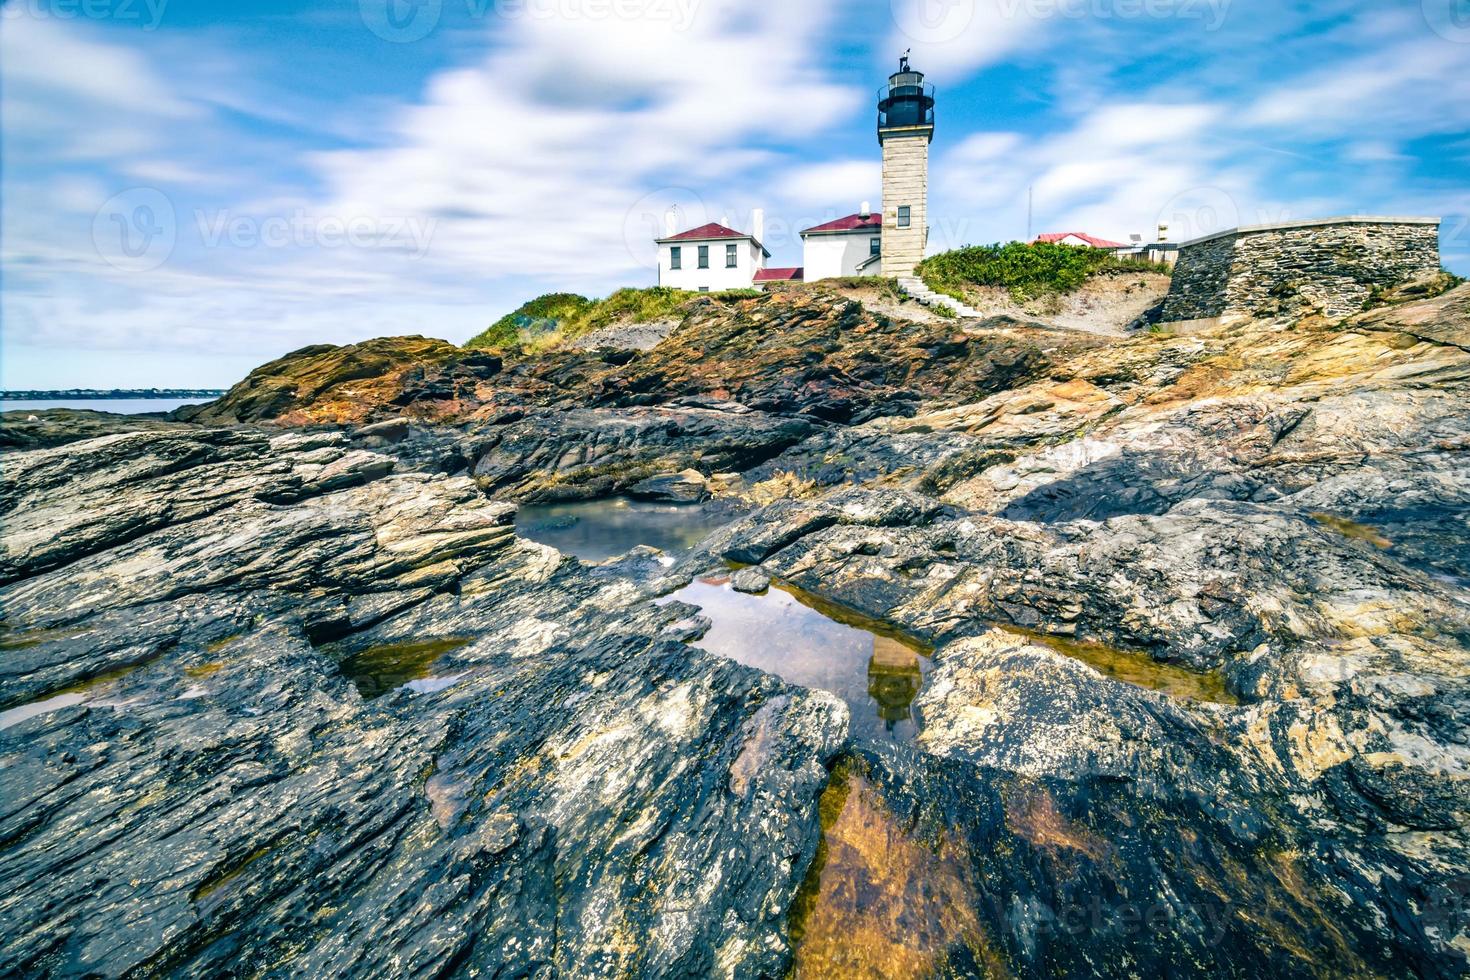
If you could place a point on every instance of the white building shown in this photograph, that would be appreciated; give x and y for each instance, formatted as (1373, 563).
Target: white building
(850, 246)
(712, 257)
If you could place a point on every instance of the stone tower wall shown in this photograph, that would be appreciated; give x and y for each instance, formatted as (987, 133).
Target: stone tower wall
(905, 182)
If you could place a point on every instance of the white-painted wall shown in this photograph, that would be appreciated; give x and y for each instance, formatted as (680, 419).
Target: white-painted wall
(828, 256)
(749, 260)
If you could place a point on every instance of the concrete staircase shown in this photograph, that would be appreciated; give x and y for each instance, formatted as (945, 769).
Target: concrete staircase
(914, 286)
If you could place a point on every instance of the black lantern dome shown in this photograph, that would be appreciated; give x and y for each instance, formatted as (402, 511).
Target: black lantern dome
(907, 103)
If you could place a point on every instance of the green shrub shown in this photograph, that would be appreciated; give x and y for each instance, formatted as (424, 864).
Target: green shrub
(542, 315)
(1028, 271)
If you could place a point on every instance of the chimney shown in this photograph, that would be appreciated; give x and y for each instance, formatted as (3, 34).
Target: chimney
(671, 222)
(725, 219)
(867, 211)
(758, 224)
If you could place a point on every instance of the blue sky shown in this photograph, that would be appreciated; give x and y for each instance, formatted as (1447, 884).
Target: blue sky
(191, 188)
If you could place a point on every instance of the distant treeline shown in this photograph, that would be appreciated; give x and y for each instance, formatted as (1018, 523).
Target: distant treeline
(86, 393)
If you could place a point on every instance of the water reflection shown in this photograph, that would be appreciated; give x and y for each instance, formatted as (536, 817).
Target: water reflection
(381, 669)
(596, 530)
(1138, 668)
(806, 641)
(877, 901)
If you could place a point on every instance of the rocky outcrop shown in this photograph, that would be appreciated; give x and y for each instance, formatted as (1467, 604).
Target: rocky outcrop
(1202, 630)
(570, 790)
(816, 356)
(40, 429)
(353, 383)
(1198, 609)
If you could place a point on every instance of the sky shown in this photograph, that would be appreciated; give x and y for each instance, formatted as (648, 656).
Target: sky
(190, 188)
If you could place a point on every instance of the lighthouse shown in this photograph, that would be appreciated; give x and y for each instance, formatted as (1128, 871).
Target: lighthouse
(905, 129)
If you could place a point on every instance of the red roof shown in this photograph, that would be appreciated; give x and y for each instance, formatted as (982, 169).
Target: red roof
(712, 231)
(781, 275)
(1092, 240)
(853, 222)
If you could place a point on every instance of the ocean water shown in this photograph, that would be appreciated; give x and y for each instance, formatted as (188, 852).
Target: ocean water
(117, 406)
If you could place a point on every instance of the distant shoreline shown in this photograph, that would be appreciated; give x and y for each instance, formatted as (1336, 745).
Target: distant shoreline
(115, 394)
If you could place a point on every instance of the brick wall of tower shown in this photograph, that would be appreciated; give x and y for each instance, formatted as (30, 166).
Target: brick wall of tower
(905, 182)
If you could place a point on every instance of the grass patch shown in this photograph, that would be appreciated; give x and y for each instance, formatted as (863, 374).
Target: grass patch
(556, 318)
(542, 315)
(1028, 271)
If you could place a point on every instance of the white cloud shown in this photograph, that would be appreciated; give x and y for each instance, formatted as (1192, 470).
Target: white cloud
(65, 97)
(554, 147)
(841, 185)
(956, 37)
(1410, 88)
(1111, 174)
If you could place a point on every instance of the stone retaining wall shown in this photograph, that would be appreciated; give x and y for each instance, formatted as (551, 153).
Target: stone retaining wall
(1333, 264)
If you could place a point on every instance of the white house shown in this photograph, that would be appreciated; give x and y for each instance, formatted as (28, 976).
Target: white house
(850, 246)
(712, 257)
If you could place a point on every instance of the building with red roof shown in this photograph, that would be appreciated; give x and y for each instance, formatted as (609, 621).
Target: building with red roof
(778, 275)
(712, 257)
(848, 246)
(1080, 239)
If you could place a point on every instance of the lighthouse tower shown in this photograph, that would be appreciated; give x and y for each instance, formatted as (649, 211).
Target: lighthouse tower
(905, 129)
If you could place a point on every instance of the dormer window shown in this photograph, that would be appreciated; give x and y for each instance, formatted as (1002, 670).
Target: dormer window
(732, 256)
(676, 257)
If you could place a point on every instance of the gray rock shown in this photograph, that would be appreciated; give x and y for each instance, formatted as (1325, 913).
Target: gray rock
(686, 487)
(750, 580)
(580, 793)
